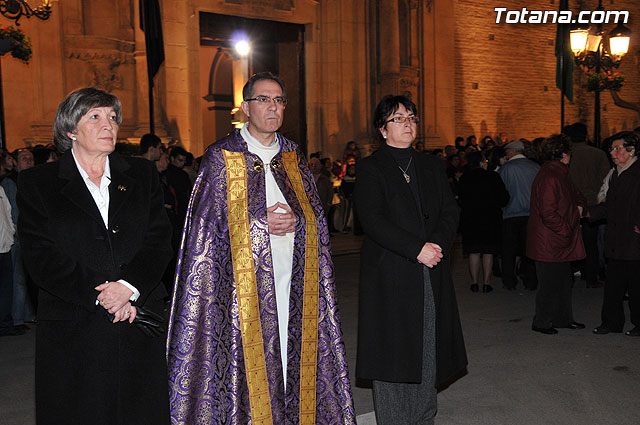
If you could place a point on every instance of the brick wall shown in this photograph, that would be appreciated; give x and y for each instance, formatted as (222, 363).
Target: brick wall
(505, 73)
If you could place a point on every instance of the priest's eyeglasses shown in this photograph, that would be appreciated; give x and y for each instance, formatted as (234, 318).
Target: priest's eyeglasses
(265, 100)
(401, 119)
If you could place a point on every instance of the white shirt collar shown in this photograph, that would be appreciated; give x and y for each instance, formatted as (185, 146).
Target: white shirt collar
(106, 175)
(255, 143)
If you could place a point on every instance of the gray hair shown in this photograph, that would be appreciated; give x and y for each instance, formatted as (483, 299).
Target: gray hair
(74, 106)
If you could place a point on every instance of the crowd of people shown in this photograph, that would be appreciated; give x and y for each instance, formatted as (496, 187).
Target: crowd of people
(541, 212)
(235, 244)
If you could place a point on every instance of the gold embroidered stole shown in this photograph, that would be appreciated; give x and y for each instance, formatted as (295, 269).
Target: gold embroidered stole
(309, 354)
(247, 292)
(246, 288)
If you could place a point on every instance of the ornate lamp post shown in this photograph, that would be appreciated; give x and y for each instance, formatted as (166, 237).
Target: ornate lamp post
(16, 9)
(595, 50)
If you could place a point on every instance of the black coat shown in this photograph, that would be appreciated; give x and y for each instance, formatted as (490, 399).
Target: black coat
(482, 195)
(391, 279)
(89, 370)
(622, 211)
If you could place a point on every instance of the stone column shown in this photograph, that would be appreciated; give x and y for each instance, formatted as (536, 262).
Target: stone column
(388, 46)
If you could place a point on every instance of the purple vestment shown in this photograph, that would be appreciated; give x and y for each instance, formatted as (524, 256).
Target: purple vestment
(205, 356)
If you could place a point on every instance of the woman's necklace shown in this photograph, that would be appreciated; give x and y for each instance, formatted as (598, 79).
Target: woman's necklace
(407, 177)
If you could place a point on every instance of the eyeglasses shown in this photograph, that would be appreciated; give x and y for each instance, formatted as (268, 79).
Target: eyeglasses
(401, 119)
(617, 149)
(265, 100)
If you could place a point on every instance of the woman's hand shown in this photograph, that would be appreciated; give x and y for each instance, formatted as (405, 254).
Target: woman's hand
(113, 296)
(127, 312)
(430, 254)
(281, 223)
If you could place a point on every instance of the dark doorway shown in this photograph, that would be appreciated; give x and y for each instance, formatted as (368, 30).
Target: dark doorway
(277, 47)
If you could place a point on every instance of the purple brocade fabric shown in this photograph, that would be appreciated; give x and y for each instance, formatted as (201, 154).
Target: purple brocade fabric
(207, 383)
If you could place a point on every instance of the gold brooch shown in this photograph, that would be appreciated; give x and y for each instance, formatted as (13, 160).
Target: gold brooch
(122, 188)
(275, 164)
(257, 166)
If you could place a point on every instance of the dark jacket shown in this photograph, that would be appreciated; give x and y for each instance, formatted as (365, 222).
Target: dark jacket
(622, 211)
(391, 279)
(553, 229)
(482, 195)
(89, 370)
(588, 168)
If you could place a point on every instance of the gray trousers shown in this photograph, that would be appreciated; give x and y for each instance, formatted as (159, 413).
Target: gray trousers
(408, 404)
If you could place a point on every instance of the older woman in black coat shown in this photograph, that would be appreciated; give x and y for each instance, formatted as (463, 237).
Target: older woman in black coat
(96, 241)
(409, 333)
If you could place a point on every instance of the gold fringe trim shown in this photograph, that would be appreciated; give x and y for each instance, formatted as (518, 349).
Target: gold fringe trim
(246, 288)
(309, 354)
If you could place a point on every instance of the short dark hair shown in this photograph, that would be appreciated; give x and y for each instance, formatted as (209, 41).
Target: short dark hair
(577, 132)
(554, 146)
(74, 106)
(149, 141)
(247, 90)
(388, 106)
(177, 151)
(630, 139)
(17, 152)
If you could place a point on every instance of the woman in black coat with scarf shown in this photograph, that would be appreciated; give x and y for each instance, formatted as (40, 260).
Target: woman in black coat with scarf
(409, 333)
(96, 241)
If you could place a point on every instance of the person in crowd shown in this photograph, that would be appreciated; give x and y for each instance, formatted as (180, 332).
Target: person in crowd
(517, 174)
(419, 147)
(6, 269)
(7, 163)
(449, 150)
(346, 190)
(180, 183)
(482, 195)
(96, 241)
(486, 142)
(255, 260)
(621, 208)
(589, 166)
(459, 143)
(151, 147)
(189, 167)
(22, 309)
(351, 150)
(471, 141)
(323, 184)
(497, 158)
(409, 333)
(553, 236)
(43, 154)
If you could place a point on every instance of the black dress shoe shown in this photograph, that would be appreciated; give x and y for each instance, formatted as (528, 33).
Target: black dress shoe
(633, 332)
(572, 325)
(547, 331)
(487, 288)
(603, 330)
(474, 287)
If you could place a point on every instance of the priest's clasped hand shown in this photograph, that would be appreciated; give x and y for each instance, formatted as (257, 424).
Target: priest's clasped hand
(430, 254)
(281, 223)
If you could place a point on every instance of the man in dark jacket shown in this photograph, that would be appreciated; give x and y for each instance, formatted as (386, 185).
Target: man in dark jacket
(588, 168)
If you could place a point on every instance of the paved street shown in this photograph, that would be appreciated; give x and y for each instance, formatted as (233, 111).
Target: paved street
(515, 376)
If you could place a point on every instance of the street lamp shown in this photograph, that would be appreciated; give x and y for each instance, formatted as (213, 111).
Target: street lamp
(593, 50)
(15, 9)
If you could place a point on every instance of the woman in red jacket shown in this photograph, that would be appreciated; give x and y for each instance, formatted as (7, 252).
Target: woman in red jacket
(553, 236)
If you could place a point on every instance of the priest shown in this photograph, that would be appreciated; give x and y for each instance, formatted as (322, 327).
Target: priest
(254, 333)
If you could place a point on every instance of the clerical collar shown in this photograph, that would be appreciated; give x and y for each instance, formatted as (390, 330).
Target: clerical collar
(255, 143)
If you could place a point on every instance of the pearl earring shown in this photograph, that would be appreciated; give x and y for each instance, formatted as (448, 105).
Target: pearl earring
(384, 136)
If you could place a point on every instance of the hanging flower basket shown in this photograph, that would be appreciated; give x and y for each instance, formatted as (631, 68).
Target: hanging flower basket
(14, 40)
(601, 81)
